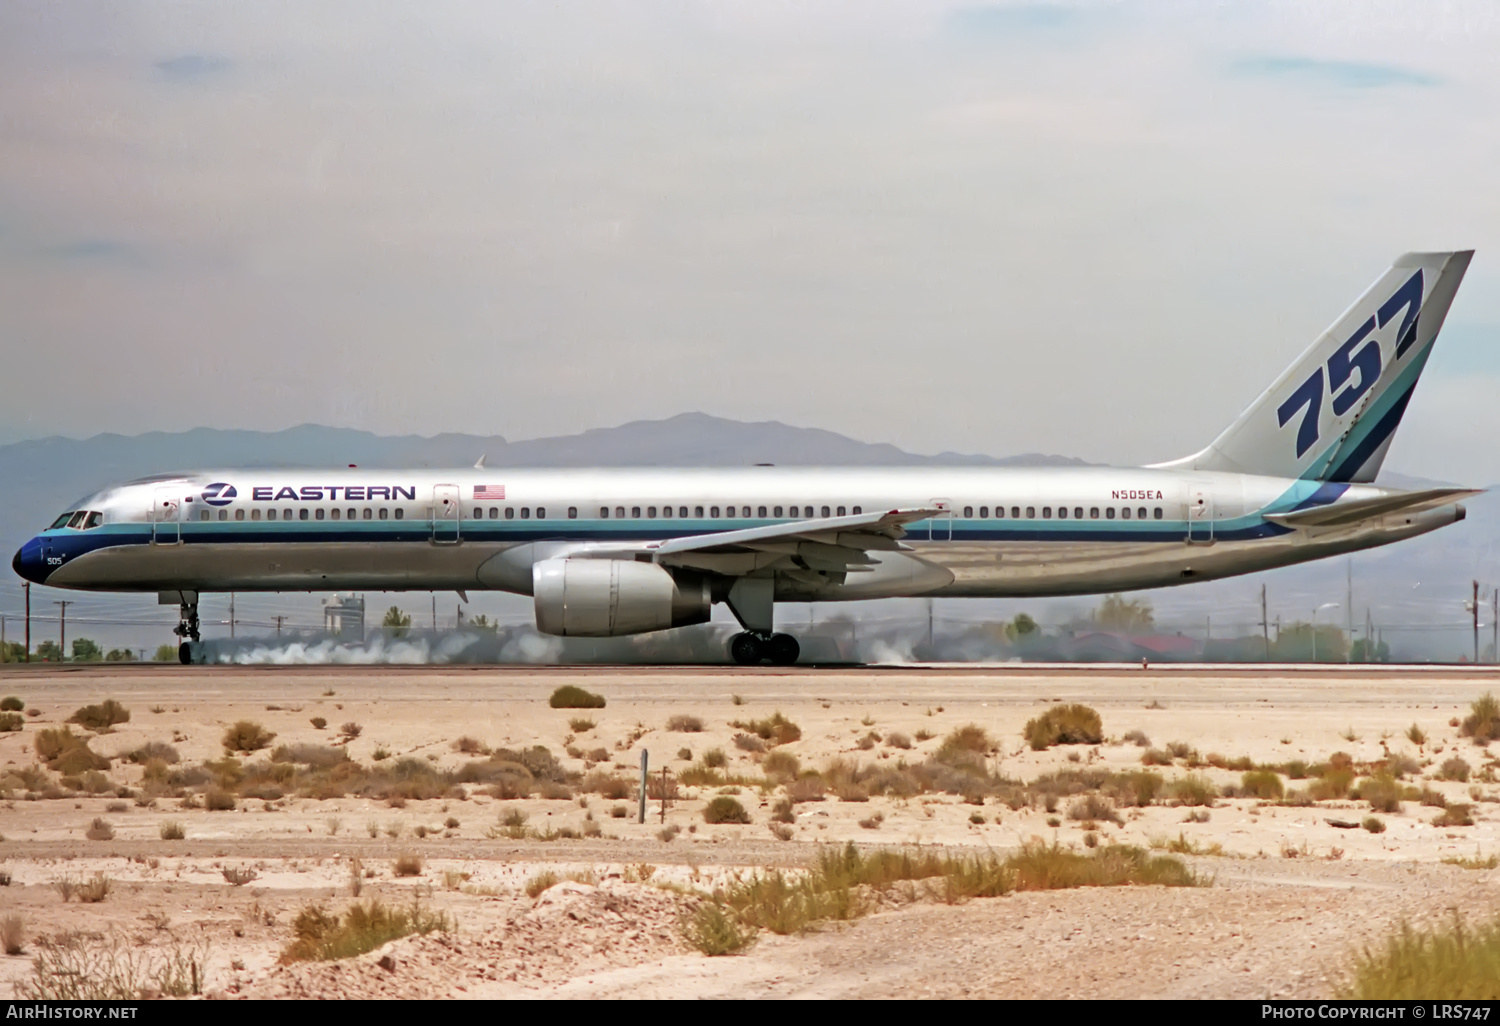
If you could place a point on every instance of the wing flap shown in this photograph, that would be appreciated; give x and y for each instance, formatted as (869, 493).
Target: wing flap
(1339, 514)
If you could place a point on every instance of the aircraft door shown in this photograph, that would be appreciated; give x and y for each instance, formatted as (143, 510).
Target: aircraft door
(940, 527)
(447, 515)
(1200, 517)
(166, 516)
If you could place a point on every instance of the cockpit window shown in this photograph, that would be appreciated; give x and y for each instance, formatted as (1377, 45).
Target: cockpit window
(78, 519)
(61, 521)
(94, 520)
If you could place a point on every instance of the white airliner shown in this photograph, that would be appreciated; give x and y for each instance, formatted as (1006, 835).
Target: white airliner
(613, 552)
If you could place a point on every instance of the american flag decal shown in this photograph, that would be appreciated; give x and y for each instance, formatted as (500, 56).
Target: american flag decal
(489, 491)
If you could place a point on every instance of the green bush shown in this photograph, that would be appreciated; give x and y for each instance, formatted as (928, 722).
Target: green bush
(1194, 789)
(776, 729)
(724, 809)
(570, 697)
(1454, 963)
(321, 936)
(1483, 721)
(10, 721)
(10, 703)
(247, 736)
(1064, 725)
(714, 930)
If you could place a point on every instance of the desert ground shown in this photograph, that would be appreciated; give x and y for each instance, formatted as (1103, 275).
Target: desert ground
(1293, 886)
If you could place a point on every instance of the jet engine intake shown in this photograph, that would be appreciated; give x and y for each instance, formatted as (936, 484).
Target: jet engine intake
(604, 598)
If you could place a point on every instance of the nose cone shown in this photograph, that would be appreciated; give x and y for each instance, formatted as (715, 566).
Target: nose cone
(28, 562)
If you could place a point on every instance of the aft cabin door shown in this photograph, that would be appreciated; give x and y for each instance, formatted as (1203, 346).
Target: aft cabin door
(1200, 517)
(446, 515)
(166, 517)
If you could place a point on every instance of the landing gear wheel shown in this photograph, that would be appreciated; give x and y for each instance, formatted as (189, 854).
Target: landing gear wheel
(185, 654)
(782, 649)
(746, 649)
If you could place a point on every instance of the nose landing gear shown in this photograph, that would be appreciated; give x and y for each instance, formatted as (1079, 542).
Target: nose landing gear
(750, 648)
(188, 631)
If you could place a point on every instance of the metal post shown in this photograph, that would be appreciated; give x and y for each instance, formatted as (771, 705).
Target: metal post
(1495, 625)
(434, 612)
(1349, 611)
(1475, 606)
(27, 589)
(1265, 626)
(642, 810)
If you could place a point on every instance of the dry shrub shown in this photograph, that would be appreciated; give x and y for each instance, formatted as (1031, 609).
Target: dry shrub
(318, 722)
(171, 830)
(570, 697)
(351, 730)
(776, 729)
(714, 930)
(1454, 768)
(806, 789)
(363, 927)
(10, 703)
(1194, 789)
(780, 766)
(1374, 824)
(1156, 757)
(13, 934)
(215, 800)
(896, 739)
(1452, 963)
(1092, 808)
(1137, 738)
(749, 743)
(1382, 792)
(66, 752)
(1064, 725)
(471, 746)
(724, 809)
(607, 785)
(11, 721)
(93, 890)
(247, 736)
(1455, 815)
(965, 742)
(682, 724)
(715, 758)
(541, 882)
(83, 967)
(100, 830)
(102, 716)
(868, 742)
(407, 864)
(238, 876)
(1483, 721)
(158, 750)
(318, 756)
(1263, 784)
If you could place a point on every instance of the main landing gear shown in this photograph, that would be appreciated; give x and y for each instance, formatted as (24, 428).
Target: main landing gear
(188, 631)
(749, 648)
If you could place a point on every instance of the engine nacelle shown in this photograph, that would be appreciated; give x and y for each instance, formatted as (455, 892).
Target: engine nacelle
(603, 598)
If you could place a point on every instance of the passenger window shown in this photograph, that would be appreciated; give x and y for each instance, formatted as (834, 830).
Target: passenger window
(510, 512)
(968, 512)
(841, 511)
(286, 514)
(603, 512)
(572, 512)
(713, 511)
(270, 514)
(682, 512)
(239, 514)
(541, 512)
(367, 513)
(383, 512)
(984, 512)
(776, 511)
(494, 513)
(1125, 513)
(320, 513)
(1062, 512)
(807, 511)
(478, 514)
(698, 512)
(223, 514)
(1046, 512)
(255, 514)
(1140, 514)
(760, 511)
(825, 511)
(635, 512)
(666, 511)
(1157, 513)
(744, 511)
(525, 512)
(335, 513)
(650, 512)
(1109, 514)
(1093, 512)
(858, 511)
(1030, 512)
(302, 514)
(619, 512)
(400, 512)
(351, 514)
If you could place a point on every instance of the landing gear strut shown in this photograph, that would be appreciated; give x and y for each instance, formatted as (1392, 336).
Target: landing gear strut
(750, 648)
(188, 631)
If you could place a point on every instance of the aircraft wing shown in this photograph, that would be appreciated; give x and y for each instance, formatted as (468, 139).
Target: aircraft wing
(1339, 514)
(825, 544)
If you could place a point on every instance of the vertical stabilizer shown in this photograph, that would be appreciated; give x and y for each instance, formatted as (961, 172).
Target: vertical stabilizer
(1331, 416)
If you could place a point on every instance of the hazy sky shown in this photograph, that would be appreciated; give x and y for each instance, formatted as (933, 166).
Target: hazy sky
(1097, 229)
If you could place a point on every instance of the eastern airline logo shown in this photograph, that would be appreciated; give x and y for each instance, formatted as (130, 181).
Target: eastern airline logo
(1354, 366)
(219, 494)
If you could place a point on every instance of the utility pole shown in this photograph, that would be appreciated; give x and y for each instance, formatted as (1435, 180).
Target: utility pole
(231, 615)
(27, 589)
(62, 640)
(1475, 606)
(1370, 655)
(434, 612)
(278, 620)
(929, 628)
(1495, 625)
(1349, 609)
(1265, 626)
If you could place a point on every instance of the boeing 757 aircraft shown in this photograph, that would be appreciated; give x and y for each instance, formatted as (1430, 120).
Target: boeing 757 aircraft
(613, 552)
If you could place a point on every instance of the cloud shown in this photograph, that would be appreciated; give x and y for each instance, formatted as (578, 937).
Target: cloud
(1344, 74)
(193, 67)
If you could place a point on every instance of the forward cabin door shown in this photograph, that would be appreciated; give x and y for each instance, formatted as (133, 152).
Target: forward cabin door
(166, 516)
(1200, 516)
(940, 527)
(447, 518)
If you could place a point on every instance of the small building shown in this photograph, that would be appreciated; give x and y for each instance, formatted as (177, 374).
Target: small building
(344, 617)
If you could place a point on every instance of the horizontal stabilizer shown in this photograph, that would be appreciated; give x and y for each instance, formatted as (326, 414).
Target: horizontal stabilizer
(1339, 514)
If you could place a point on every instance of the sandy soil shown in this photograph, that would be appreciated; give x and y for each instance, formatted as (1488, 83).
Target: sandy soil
(1293, 894)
